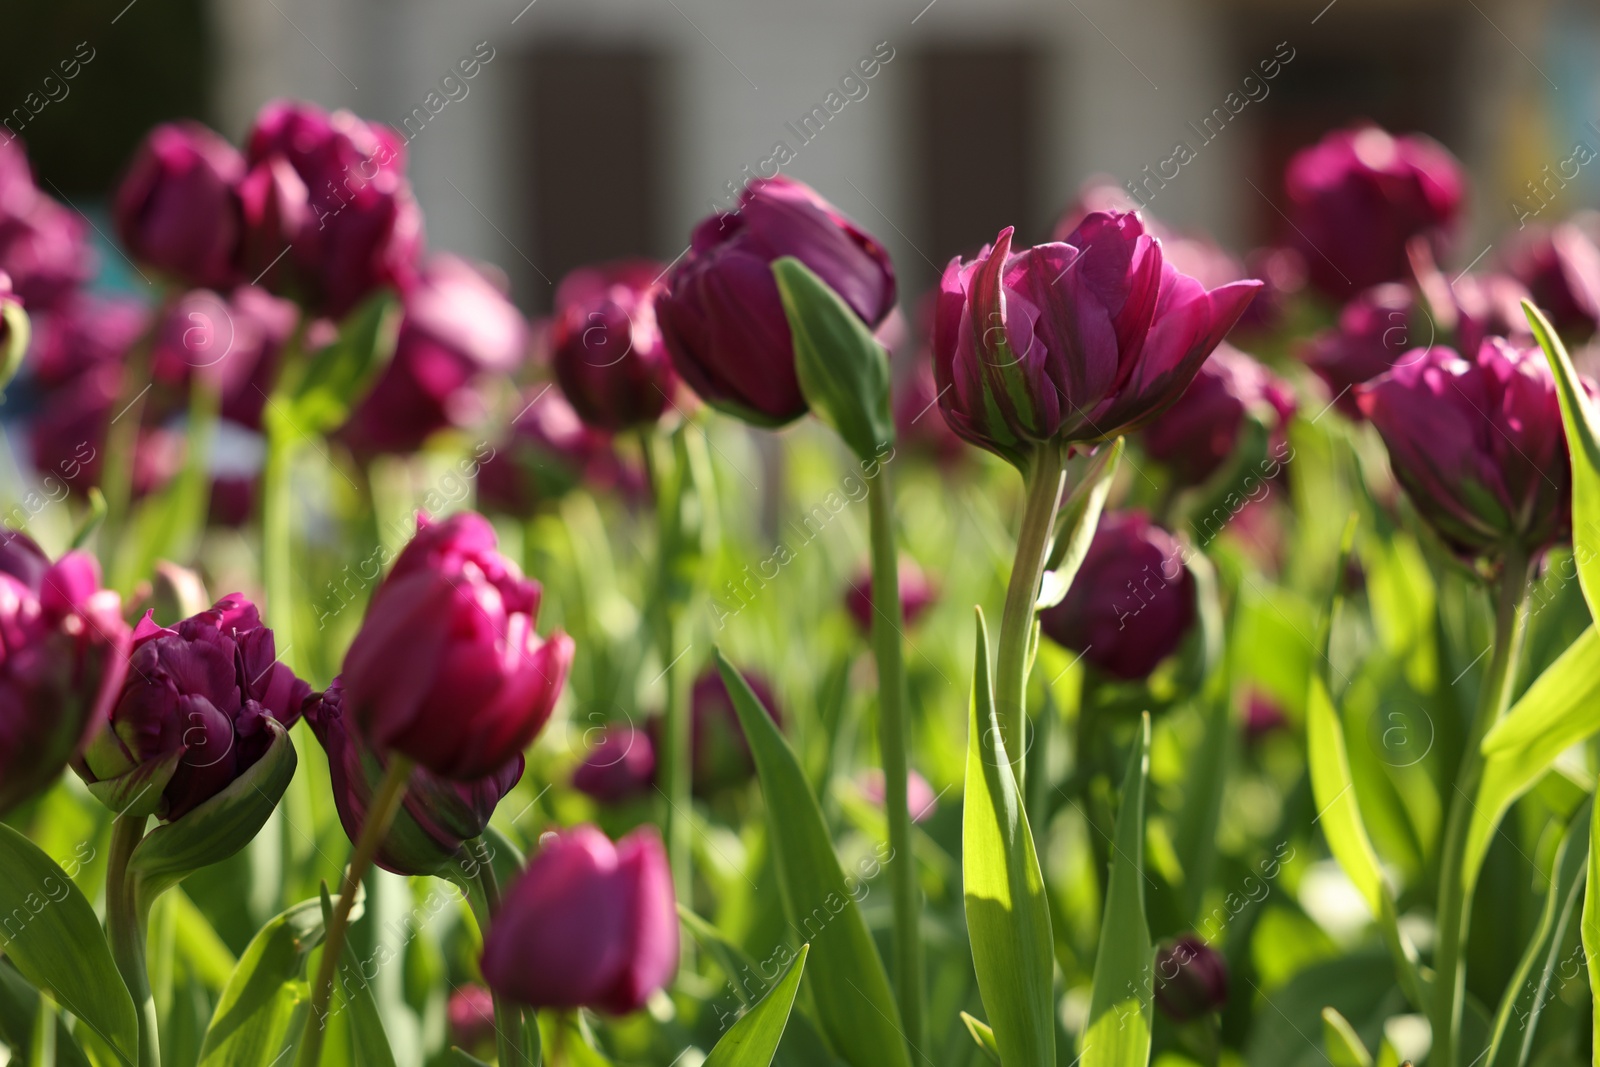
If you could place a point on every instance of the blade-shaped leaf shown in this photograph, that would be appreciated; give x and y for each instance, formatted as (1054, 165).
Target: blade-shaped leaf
(19, 1012)
(1118, 1034)
(337, 378)
(49, 931)
(1008, 918)
(753, 1040)
(1342, 1046)
(983, 1036)
(847, 980)
(1591, 920)
(1076, 523)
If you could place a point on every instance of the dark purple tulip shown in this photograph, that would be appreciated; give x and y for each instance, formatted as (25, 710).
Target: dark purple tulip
(192, 714)
(1133, 601)
(722, 318)
(606, 347)
(916, 595)
(238, 340)
(1358, 196)
(1196, 435)
(1191, 978)
(1078, 341)
(1263, 716)
(1478, 446)
(1375, 330)
(921, 800)
(917, 421)
(63, 655)
(471, 1015)
(620, 764)
(721, 755)
(83, 332)
(1561, 268)
(437, 817)
(549, 453)
(44, 245)
(447, 667)
(458, 326)
(600, 919)
(177, 210)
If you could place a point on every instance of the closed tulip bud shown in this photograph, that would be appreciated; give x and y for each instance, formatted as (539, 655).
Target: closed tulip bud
(447, 668)
(606, 347)
(237, 340)
(916, 595)
(1477, 444)
(1561, 268)
(1375, 330)
(63, 655)
(921, 800)
(722, 318)
(83, 333)
(1076, 342)
(621, 764)
(1263, 716)
(599, 920)
(1191, 978)
(549, 453)
(44, 245)
(1358, 196)
(1196, 435)
(721, 753)
(177, 210)
(437, 817)
(471, 1014)
(1132, 602)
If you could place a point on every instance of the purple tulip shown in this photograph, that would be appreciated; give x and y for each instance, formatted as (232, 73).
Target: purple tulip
(720, 752)
(916, 595)
(238, 340)
(192, 714)
(1485, 306)
(63, 655)
(1263, 716)
(437, 817)
(606, 347)
(1191, 978)
(44, 245)
(549, 453)
(1358, 196)
(722, 318)
(921, 800)
(1375, 330)
(447, 668)
(1078, 342)
(471, 1015)
(1196, 435)
(177, 210)
(1561, 268)
(1132, 603)
(600, 919)
(1478, 446)
(621, 764)
(458, 326)
(85, 331)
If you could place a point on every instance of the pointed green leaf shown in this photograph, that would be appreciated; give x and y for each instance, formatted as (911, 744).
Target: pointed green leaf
(847, 979)
(1008, 918)
(753, 1040)
(1583, 442)
(1340, 1042)
(19, 1012)
(983, 1036)
(336, 379)
(1076, 523)
(1590, 926)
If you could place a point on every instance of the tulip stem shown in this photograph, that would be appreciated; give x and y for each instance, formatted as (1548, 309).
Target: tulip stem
(894, 743)
(126, 918)
(1045, 480)
(507, 1017)
(122, 443)
(374, 828)
(1455, 881)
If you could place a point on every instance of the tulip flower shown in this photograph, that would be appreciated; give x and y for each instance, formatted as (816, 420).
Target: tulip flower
(84, 332)
(1263, 716)
(921, 800)
(1375, 330)
(1358, 196)
(1076, 342)
(721, 754)
(192, 714)
(1561, 268)
(471, 1017)
(606, 347)
(447, 668)
(548, 454)
(1195, 436)
(458, 326)
(589, 924)
(63, 655)
(239, 340)
(621, 764)
(721, 316)
(1132, 603)
(1477, 444)
(177, 210)
(437, 817)
(44, 245)
(916, 595)
(1191, 978)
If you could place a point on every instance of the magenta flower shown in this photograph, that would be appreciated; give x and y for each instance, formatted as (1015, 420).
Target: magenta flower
(63, 655)
(720, 752)
(471, 1016)
(44, 245)
(1263, 716)
(549, 453)
(447, 668)
(722, 318)
(600, 920)
(1357, 196)
(1375, 330)
(1077, 342)
(238, 340)
(1561, 268)
(606, 347)
(921, 800)
(916, 595)
(621, 764)
(1191, 978)
(1196, 435)
(177, 209)
(83, 332)
(1478, 446)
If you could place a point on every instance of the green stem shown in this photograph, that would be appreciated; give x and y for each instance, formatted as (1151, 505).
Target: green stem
(1044, 479)
(126, 917)
(1455, 881)
(385, 804)
(894, 741)
(277, 532)
(122, 444)
(507, 1017)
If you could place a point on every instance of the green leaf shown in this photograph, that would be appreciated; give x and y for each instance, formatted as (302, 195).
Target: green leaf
(843, 370)
(1008, 918)
(575, 1048)
(1076, 523)
(847, 980)
(1118, 1034)
(14, 321)
(753, 1040)
(1343, 1047)
(52, 936)
(1583, 442)
(337, 378)
(455, 1057)
(1590, 926)
(19, 1012)
(983, 1036)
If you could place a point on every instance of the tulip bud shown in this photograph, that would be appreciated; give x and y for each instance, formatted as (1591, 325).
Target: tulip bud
(600, 919)
(1077, 342)
(471, 1014)
(238, 341)
(622, 764)
(1478, 446)
(1191, 978)
(437, 817)
(44, 245)
(63, 655)
(1358, 196)
(176, 592)
(1262, 717)
(1374, 331)
(720, 752)
(177, 209)
(721, 317)
(83, 333)
(549, 453)
(447, 667)
(916, 595)
(606, 347)
(921, 800)
(1195, 436)
(1561, 268)
(1132, 602)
